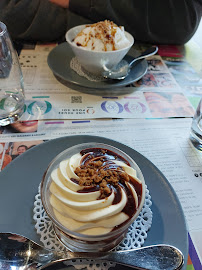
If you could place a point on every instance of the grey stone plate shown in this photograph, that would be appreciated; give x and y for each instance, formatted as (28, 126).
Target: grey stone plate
(19, 183)
(59, 62)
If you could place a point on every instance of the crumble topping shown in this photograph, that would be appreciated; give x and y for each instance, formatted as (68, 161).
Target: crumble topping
(95, 174)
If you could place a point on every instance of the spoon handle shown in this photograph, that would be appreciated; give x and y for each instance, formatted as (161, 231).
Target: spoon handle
(161, 257)
(151, 51)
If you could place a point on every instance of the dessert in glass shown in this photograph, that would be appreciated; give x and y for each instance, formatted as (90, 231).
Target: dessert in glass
(99, 46)
(92, 192)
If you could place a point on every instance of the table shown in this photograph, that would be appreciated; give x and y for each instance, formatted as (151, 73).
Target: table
(160, 132)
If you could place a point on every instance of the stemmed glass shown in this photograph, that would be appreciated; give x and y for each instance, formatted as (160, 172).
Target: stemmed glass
(11, 80)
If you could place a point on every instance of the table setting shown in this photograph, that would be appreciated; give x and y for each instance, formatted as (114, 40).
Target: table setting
(146, 119)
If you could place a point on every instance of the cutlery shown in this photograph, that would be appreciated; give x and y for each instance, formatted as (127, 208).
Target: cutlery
(122, 70)
(18, 252)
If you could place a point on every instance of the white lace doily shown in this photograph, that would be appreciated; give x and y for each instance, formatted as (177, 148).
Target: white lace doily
(135, 237)
(76, 66)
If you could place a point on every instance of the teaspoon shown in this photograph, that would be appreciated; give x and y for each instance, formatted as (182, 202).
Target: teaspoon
(18, 252)
(121, 71)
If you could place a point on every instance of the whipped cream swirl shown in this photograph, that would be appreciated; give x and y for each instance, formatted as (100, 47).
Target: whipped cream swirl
(94, 192)
(102, 36)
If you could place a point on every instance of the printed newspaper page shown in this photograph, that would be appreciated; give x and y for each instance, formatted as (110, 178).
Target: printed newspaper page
(168, 89)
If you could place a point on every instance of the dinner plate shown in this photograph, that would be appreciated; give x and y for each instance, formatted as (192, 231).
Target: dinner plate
(20, 180)
(59, 62)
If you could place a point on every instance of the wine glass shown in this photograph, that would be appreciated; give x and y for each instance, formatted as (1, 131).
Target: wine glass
(11, 80)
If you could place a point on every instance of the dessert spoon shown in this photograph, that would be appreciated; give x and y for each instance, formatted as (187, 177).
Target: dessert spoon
(18, 252)
(122, 70)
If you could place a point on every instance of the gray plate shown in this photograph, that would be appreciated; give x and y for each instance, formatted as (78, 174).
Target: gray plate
(59, 62)
(19, 183)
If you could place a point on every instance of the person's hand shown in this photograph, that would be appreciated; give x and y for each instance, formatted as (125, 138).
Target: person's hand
(62, 3)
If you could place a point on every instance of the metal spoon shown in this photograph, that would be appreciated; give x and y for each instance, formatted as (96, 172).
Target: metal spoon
(18, 252)
(121, 71)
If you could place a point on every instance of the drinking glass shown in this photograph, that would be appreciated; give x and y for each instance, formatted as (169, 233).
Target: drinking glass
(196, 128)
(11, 80)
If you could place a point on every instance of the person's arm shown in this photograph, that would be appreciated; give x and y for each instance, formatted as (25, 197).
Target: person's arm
(62, 3)
(34, 19)
(156, 21)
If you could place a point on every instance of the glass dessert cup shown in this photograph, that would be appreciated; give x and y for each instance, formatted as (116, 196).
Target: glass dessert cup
(75, 241)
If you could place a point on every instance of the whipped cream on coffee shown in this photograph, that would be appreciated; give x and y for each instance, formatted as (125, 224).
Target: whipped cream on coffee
(102, 36)
(94, 192)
